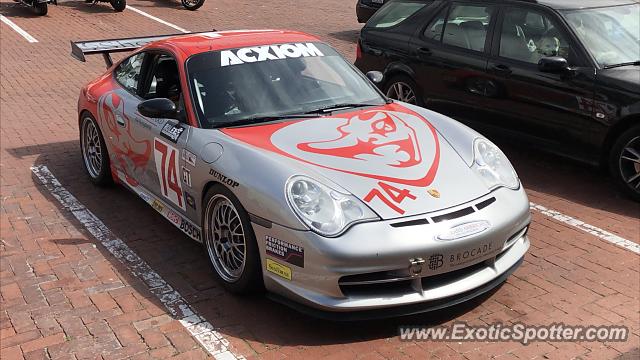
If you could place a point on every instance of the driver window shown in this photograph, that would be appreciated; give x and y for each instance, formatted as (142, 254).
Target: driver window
(528, 36)
(163, 81)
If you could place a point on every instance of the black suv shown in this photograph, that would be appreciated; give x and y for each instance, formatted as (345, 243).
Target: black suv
(560, 75)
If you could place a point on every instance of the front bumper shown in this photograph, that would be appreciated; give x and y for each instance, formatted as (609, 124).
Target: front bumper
(372, 266)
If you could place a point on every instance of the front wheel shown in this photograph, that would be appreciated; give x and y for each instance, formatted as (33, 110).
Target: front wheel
(118, 5)
(403, 88)
(625, 162)
(192, 4)
(230, 242)
(94, 152)
(41, 9)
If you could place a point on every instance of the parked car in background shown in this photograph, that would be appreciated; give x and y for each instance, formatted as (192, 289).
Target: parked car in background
(563, 76)
(366, 8)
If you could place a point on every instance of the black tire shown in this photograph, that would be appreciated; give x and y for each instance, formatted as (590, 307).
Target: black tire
(404, 82)
(624, 162)
(249, 278)
(118, 5)
(98, 169)
(41, 9)
(192, 4)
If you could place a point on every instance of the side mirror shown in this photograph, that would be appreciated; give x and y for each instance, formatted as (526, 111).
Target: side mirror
(554, 64)
(161, 108)
(376, 77)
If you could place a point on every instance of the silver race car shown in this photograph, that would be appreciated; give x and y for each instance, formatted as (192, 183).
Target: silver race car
(299, 176)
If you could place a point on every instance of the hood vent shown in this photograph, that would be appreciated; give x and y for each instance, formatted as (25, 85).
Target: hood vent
(447, 216)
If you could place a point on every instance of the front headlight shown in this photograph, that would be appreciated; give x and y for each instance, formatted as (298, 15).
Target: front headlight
(326, 211)
(493, 166)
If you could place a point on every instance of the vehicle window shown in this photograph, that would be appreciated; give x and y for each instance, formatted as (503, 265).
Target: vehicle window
(270, 81)
(528, 35)
(394, 13)
(165, 79)
(128, 72)
(467, 26)
(435, 28)
(610, 34)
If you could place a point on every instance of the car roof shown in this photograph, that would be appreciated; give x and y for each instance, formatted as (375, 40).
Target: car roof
(579, 4)
(196, 43)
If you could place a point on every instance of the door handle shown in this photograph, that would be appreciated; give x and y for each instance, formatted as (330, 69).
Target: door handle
(424, 51)
(501, 69)
(120, 120)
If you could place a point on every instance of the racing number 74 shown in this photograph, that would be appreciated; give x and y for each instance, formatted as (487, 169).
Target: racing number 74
(166, 157)
(396, 195)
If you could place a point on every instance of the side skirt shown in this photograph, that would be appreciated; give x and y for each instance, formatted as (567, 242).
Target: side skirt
(167, 211)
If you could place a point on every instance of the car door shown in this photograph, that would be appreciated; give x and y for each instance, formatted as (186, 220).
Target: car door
(130, 151)
(552, 108)
(165, 176)
(450, 57)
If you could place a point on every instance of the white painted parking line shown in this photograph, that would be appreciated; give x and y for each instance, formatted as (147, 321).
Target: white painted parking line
(198, 326)
(18, 29)
(593, 230)
(157, 19)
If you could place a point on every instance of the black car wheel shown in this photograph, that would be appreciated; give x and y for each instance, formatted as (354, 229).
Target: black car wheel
(41, 9)
(192, 4)
(403, 88)
(94, 152)
(118, 5)
(230, 242)
(625, 162)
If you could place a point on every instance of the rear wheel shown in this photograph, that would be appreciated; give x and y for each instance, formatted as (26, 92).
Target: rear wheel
(118, 5)
(192, 4)
(625, 162)
(41, 9)
(94, 152)
(230, 242)
(403, 88)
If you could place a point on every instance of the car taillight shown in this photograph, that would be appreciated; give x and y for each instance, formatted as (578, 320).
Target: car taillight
(358, 50)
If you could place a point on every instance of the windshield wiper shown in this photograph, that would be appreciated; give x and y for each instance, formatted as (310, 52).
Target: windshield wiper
(334, 107)
(265, 119)
(631, 63)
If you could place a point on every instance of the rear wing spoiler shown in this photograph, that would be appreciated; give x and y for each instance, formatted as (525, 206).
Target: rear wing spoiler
(107, 46)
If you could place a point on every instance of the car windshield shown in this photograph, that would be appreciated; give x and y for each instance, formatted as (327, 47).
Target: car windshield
(610, 34)
(264, 83)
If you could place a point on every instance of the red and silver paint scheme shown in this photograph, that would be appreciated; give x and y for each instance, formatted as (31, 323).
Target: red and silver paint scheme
(440, 236)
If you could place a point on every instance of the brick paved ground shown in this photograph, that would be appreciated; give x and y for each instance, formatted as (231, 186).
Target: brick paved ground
(64, 296)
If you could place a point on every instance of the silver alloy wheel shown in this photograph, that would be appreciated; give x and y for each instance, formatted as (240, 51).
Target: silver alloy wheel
(91, 148)
(191, 3)
(630, 163)
(224, 238)
(401, 91)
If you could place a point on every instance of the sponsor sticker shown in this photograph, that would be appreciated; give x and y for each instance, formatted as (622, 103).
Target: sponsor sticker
(223, 179)
(186, 176)
(144, 196)
(293, 254)
(172, 132)
(173, 217)
(190, 230)
(158, 206)
(278, 269)
(464, 230)
(268, 52)
(189, 157)
(191, 201)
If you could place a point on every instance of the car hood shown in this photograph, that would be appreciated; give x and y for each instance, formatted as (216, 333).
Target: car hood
(625, 78)
(390, 157)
